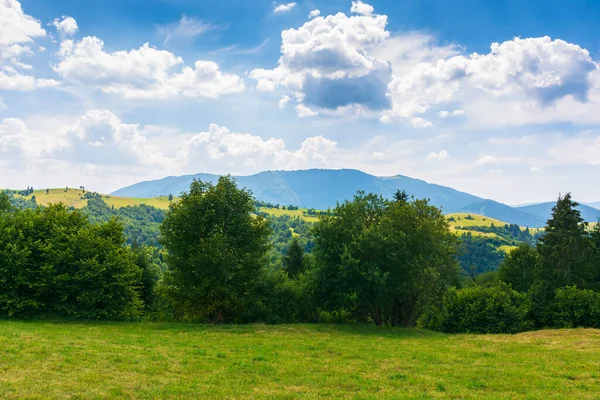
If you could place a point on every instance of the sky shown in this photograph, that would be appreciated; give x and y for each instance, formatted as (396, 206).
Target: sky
(498, 99)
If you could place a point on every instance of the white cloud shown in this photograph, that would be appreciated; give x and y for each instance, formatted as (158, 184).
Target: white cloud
(582, 148)
(419, 122)
(446, 114)
(442, 155)
(18, 29)
(66, 27)
(329, 63)
(314, 13)
(534, 169)
(99, 137)
(378, 155)
(144, 73)
(185, 28)
(14, 139)
(283, 102)
(531, 74)
(304, 111)
(284, 7)
(221, 149)
(17, 34)
(358, 7)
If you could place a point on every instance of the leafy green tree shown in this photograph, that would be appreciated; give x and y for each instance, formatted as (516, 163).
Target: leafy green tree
(170, 197)
(5, 204)
(216, 251)
(401, 196)
(520, 268)
(383, 261)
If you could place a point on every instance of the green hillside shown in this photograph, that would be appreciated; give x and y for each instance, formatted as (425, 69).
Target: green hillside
(76, 198)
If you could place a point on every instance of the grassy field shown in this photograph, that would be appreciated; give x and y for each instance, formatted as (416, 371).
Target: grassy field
(146, 361)
(73, 197)
(292, 213)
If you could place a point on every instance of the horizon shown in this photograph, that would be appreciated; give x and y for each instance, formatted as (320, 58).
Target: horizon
(498, 100)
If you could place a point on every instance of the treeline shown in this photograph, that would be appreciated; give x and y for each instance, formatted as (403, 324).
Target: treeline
(555, 284)
(370, 260)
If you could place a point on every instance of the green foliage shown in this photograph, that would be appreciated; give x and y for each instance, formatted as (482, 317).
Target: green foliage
(383, 261)
(54, 262)
(216, 251)
(293, 261)
(478, 255)
(520, 268)
(5, 204)
(496, 309)
(566, 253)
(576, 308)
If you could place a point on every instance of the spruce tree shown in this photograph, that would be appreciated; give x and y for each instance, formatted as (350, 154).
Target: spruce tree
(293, 259)
(565, 247)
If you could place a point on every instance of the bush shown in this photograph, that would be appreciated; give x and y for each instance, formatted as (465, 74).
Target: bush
(497, 309)
(574, 307)
(55, 263)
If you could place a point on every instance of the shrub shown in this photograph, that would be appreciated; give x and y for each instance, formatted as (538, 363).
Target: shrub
(497, 309)
(574, 307)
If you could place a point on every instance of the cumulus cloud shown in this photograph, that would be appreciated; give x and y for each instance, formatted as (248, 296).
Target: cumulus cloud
(18, 32)
(144, 73)
(284, 7)
(442, 155)
(67, 26)
(446, 114)
(535, 71)
(283, 102)
(534, 169)
(185, 28)
(14, 139)
(314, 13)
(358, 7)
(220, 146)
(99, 137)
(330, 63)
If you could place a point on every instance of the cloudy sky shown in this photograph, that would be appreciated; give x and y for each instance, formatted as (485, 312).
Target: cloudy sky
(499, 99)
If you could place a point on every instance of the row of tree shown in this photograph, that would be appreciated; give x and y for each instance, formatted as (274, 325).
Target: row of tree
(373, 260)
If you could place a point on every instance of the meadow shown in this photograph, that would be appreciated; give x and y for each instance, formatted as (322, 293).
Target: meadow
(74, 198)
(153, 360)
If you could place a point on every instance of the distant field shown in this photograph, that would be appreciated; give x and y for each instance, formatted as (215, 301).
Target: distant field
(148, 361)
(73, 197)
(292, 213)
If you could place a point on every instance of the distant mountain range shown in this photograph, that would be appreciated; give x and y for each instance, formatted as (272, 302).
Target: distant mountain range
(323, 188)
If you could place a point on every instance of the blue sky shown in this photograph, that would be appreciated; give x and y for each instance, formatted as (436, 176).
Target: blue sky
(500, 99)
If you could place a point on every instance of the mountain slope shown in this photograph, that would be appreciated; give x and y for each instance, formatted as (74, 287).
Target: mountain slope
(595, 204)
(321, 189)
(544, 210)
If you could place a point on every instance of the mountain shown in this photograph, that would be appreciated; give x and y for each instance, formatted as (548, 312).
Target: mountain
(322, 188)
(595, 204)
(544, 210)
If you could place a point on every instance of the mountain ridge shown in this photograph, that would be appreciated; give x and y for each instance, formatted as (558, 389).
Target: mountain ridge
(324, 188)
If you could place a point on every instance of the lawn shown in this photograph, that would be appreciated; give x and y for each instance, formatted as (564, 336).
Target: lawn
(292, 213)
(144, 360)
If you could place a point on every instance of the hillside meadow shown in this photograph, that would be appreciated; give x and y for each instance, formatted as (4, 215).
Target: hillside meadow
(152, 360)
(75, 198)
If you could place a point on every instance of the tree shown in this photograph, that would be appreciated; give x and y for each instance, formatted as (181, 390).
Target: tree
(401, 196)
(54, 262)
(47, 191)
(383, 261)
(170, 197)
(520, 268)
(293, 260)
(5, 204)
(216, 250)
(565, 249)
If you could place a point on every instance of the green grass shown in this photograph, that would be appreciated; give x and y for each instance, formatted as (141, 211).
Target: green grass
(147, 361)
(73, 198)
(292, 213)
